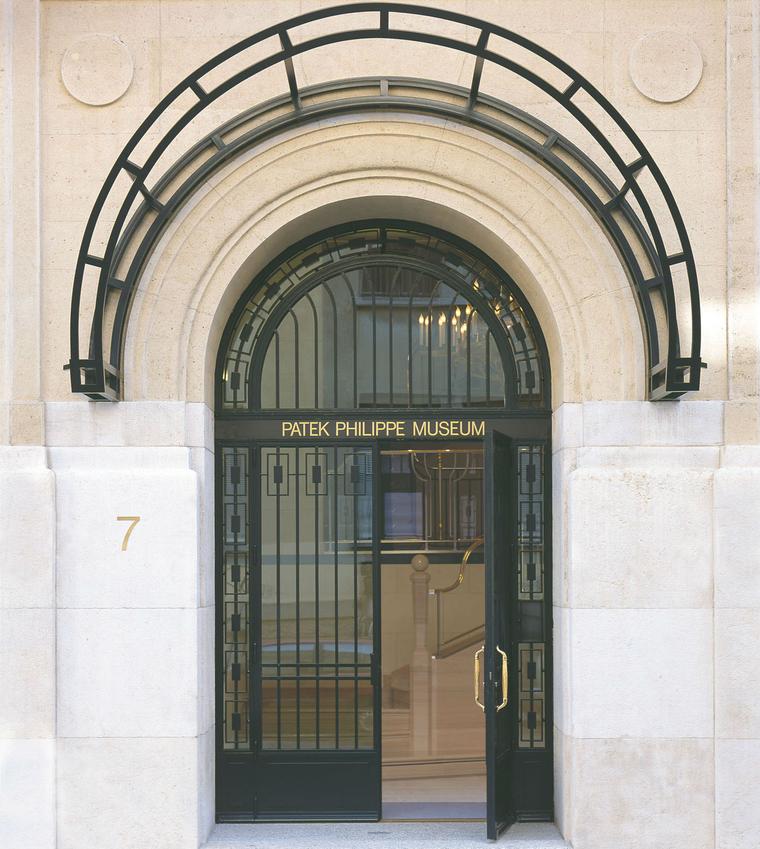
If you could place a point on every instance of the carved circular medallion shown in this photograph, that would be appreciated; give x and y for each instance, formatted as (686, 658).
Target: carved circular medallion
(665, 66)
(97, 69)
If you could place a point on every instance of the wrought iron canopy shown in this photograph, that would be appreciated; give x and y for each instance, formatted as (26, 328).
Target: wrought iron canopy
(596, 153)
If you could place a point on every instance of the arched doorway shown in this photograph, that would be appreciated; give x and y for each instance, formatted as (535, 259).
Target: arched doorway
(382, 430)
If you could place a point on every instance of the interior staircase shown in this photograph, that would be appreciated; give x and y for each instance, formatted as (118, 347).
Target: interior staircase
(456, 744)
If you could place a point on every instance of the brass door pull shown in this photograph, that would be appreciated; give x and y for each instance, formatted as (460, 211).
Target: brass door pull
(476, 677)
(504, 680)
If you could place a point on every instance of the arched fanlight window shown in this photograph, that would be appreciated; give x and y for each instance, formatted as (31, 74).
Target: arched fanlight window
(382, 316)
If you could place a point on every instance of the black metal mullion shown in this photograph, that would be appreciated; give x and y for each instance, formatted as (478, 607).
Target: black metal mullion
(317, 646)
(336, 586)
(409, 368)
(433, 294)
(454, 513)
(323, 676)
(470, 502)
(430, 356)
(336, 337)
(533, 455)
(356, 618)
(316, 350)
(277, 369)
(390, 335)
(469, 356)
(220, 683)
(296, 361)
(488, 367)
(235, 593)
(449, 326)
(255, 688)
(531, 645)
(278, 508)
(354, 351)
(374, 345)
(297, 493)
(376, 659)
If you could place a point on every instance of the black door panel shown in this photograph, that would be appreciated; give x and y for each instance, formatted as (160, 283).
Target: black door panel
(499, 679)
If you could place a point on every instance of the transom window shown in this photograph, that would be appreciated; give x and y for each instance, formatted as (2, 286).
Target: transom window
(382, 315)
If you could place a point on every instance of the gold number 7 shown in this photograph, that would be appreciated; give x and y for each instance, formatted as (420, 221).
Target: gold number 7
(134, 520)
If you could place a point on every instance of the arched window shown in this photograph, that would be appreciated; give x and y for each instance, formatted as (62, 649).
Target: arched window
(382, 315)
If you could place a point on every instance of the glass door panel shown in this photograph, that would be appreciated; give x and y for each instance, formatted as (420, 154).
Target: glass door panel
(316, 657)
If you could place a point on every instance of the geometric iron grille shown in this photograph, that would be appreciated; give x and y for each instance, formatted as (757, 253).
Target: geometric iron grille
(236, 623)
(316, 599)
(531, 599)
(532, 722)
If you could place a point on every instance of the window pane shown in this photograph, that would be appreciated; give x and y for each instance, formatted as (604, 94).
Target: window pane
(316, 595)
(396, 319)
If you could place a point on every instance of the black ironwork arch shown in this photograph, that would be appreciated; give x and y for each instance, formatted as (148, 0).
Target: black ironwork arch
(382, 314)
(610, 169)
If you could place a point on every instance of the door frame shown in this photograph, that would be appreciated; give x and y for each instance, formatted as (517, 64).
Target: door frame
(242, 431)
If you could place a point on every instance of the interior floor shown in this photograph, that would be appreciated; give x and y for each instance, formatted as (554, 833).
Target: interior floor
(435, 798)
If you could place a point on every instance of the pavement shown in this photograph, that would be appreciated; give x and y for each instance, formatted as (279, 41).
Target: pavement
(398, 835)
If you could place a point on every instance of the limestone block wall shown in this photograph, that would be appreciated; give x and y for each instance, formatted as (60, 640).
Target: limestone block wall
(134, 662)
(130, 644)
(28, 640)
(656, 617)
(634, 622)
(737, 630)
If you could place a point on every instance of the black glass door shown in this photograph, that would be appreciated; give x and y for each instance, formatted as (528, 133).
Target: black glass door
(315, 719)
(499, 677)
(298, 633)
(315, 664)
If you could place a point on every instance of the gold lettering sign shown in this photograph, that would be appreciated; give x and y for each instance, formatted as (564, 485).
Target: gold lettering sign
(385, 429)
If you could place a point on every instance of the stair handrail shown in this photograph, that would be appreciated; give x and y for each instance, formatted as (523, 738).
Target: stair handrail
(472, 547)
(438, 593)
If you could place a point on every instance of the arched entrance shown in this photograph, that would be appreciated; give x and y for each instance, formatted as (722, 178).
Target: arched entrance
(382, 427)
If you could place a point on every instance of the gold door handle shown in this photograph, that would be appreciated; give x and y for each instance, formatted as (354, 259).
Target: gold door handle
(476, 677)
(504, 680)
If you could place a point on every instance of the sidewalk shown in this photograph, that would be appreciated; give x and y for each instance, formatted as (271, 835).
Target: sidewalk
(394, 835)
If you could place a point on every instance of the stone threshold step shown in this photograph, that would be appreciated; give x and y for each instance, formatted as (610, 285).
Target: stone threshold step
(394, 835)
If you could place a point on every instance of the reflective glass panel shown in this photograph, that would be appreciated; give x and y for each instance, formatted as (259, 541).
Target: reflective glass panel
(316, 598)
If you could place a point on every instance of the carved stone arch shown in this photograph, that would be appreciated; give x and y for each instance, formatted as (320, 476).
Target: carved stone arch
(610, 170)
(526, 222)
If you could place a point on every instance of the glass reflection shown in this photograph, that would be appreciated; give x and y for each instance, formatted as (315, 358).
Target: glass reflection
(433, 732)
(316, 598)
